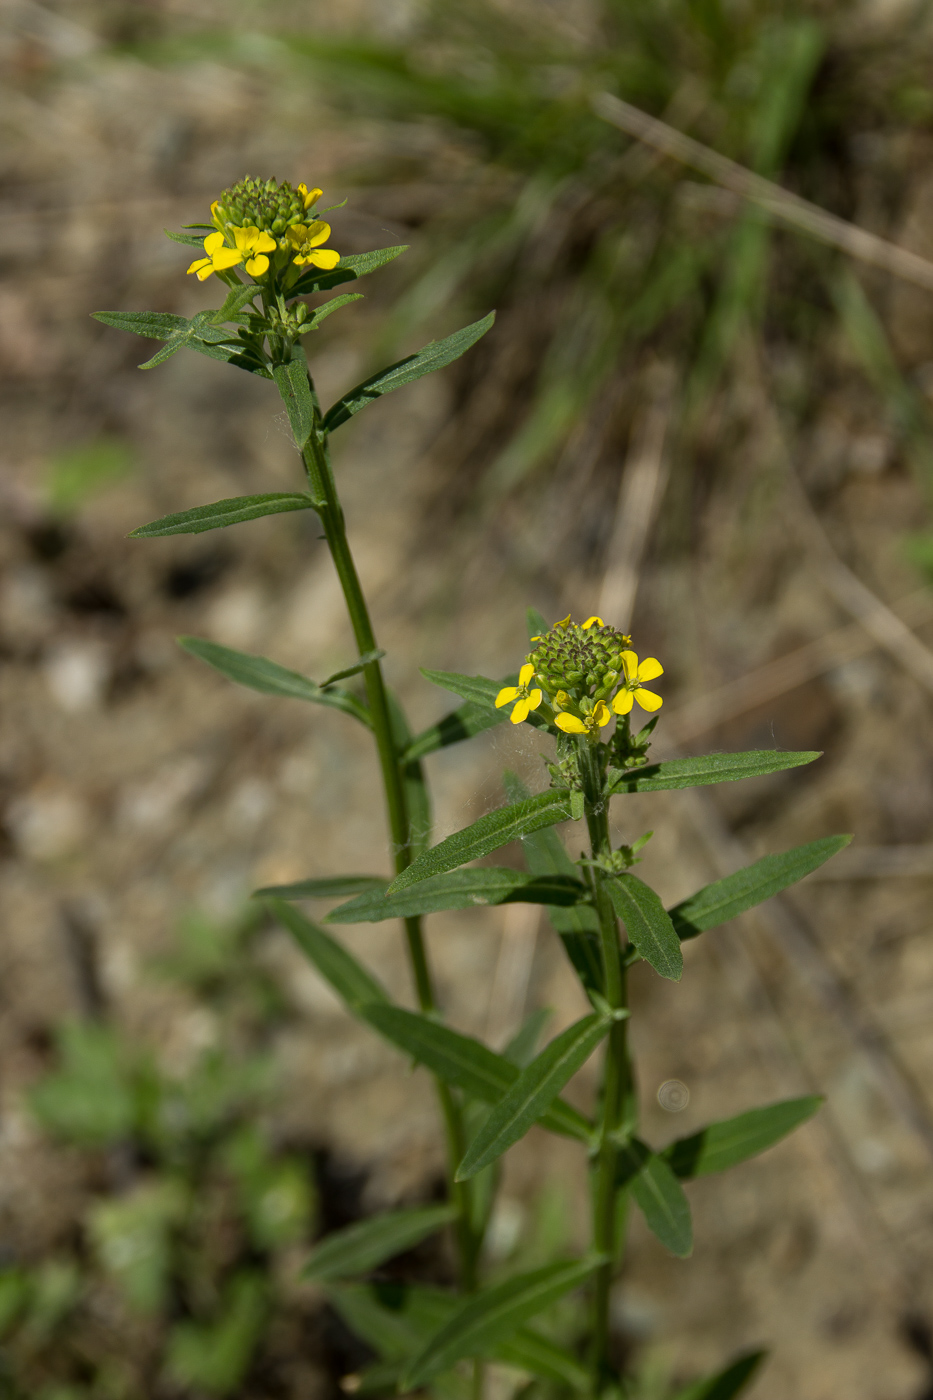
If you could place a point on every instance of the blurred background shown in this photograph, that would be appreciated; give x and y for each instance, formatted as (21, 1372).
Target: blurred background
(692, 415)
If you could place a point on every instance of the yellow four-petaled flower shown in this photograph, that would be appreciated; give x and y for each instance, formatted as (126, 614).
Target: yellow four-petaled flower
(590, 724)
(635, 674)
(252, 245)
(306, 238)
(526, 700)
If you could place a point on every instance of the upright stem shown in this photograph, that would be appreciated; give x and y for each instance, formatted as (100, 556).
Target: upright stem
(615, 1074)
(324, 490)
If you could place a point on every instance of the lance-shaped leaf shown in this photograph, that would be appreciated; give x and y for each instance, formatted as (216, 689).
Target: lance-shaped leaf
(658, 1195)
(349, 979)
(710, 768)
(366, 1244)
(577, 925)
(322, 312)
(365, 660)
(481, 692)
(269, 678)
(487, 834)
(190, 240)
(195, 334)
(726, 898)
(522, 1047)
(533, 1092)
(220, 514)
(460, 889)
(723, 1145)
(156, 325)
(434, 356)
(465, 1062)
(348, 269)
(330, 887)
(725, 1385)
(647, 923)
(490, 1316)
(291, 380)
(202, 330)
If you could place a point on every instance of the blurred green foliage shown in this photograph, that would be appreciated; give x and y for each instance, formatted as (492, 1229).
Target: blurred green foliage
(79, 473)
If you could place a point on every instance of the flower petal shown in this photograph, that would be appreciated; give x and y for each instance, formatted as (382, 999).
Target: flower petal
(650, 669)
(526, 673)
(570, 724)
(521, 711)
(507, 693)
(602, 714)
(648, 700)
(212, 242)
(258, 265)
(226, 257)
(623, 702)
(309, 196)
(534, 699)
(325, 258)
(265, 243)
(590, 620)
(630, 664)
(318, 232)
(296, 233)
(198, 264)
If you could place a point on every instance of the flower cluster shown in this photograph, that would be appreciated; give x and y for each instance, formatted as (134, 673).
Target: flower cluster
(588, 672)
(256, 219)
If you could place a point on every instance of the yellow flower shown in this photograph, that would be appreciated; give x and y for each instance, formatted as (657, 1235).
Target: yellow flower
(526, 700)
(305, 238)
(309, 196)
(589, 724)
(251, 248)
(634, 675)
(591, 621)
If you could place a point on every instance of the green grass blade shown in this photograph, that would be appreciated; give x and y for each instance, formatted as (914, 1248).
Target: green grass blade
(352, 983)
(724, 899)
(368, 1243)
(725, 1385)
(269, 678)
(723, 1145)
(533, 1092)
(648, 924)
(220, 514)
(434, 356)
(331, 887)
(487, 1319)
(460, 889)
(487, 834)
(711, 768)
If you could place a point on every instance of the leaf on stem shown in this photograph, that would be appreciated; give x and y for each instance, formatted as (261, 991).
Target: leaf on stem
(725, 1144)
(269, 678)
(322, 312)
(365, 660)
(349, 979)
(487, 834)
(348, 269)
(710, 768)
(220, 514)
(658, 1195)
(460, 889)
(291, 380)
(725, 1385)
(434, 356)
(488, 1318)
(465, 1062)
(463, 723)
(480, 691)
(367, 1243)
(533, 1092)
(647, 923)
(523, 1045)
(333, 887)
(724, 899)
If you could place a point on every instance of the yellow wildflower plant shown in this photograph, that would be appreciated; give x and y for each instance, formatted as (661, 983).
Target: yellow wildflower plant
(526, 700)
(309, 197)
(590, 724)
(636, 673)
(305, 240)
(252, 245)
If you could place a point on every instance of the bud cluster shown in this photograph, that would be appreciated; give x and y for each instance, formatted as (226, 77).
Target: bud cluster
(264, 204)
(582, 662)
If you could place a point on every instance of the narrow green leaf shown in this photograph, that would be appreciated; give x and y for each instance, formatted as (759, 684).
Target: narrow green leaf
(201, 332)
(269, 678)
(322, 312)
(434, 356)
(463, 723)
(334, 887)
(490, 1316)
(523, 1046)
(191, 240)
(365, 660)
(725, 1385)
(223, 513)
(237, 353)
(724, 899)
(734, 1140)
(658, 1195)
(349, 269)
(460, 889)
(234, 302)
(480, 692)
(711, 768)
(157, 325)
(417, 796)
(487, 834)
(368, 1243)
(533, 1093)
(530, 1351)
(647, 923)
(352, 983)
(291, 380)
(576, 925)
(465, 1062)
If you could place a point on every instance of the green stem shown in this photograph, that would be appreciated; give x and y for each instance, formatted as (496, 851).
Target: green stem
(616, 1074)
(324, 490)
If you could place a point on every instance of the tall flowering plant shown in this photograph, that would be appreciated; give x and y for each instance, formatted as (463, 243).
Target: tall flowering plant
(580, 685)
